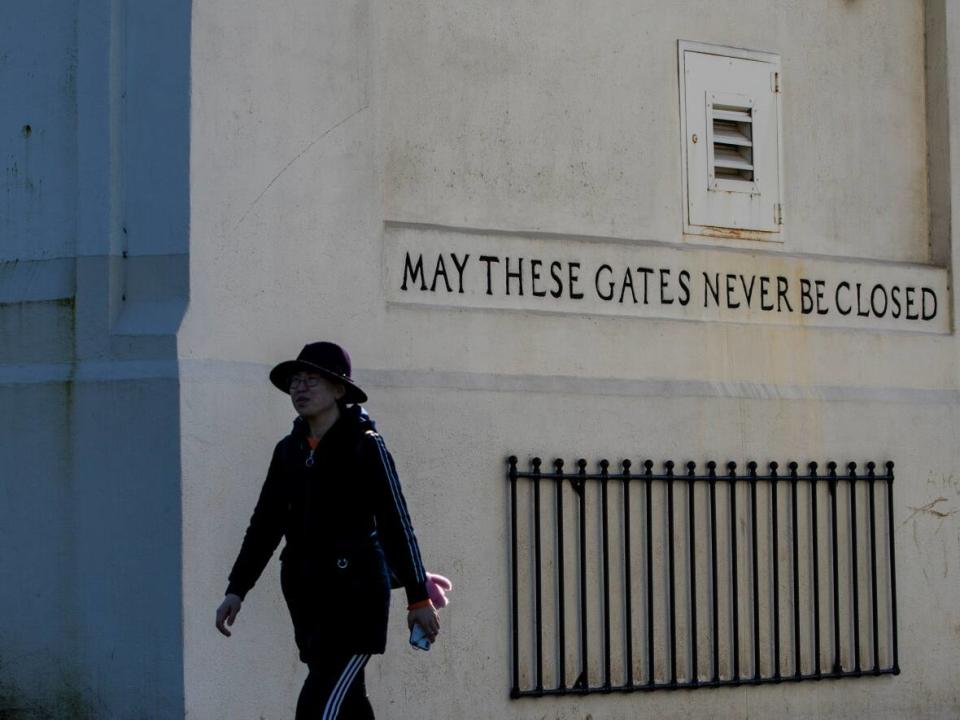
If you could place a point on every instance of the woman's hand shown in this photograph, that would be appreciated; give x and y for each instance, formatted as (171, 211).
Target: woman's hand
(427, 618)
(228, 612)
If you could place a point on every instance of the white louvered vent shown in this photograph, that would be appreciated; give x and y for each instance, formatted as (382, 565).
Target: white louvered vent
(731, 142)
(730, 124)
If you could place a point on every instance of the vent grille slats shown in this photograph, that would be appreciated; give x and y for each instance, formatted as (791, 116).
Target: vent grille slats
(732, 144)
(728, 134)
(725, 157)
(726, 112)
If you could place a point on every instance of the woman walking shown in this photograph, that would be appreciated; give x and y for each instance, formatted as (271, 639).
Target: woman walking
(332, 491)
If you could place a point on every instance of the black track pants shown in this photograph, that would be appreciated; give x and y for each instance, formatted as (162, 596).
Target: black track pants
(334, 690)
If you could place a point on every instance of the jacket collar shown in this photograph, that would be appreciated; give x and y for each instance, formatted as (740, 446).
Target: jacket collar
(353, 417)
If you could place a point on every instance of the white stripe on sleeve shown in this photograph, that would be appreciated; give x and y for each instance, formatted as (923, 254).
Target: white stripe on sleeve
(394, 484)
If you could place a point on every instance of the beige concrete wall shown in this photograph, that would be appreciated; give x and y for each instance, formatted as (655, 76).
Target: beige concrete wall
(298, 146)
(565, 118)
(313, 126)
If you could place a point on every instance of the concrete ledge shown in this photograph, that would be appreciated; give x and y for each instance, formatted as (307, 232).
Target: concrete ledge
(215, 371)
(37, 280)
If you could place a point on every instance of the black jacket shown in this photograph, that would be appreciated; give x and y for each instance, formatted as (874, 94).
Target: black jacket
(346, 526)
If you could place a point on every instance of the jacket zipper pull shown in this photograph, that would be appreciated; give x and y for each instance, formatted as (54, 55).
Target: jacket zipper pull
(309, 461)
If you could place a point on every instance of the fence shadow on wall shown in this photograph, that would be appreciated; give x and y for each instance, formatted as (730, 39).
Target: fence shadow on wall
(626, 581)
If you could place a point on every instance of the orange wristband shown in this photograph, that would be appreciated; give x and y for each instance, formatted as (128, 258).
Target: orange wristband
(419, 604)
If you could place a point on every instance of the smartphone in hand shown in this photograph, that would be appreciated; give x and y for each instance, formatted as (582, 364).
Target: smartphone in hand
(418, 637)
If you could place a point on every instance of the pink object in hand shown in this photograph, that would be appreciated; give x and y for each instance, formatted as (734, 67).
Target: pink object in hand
(437, 585)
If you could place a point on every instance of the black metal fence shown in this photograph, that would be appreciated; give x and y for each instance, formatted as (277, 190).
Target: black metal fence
(630, 582)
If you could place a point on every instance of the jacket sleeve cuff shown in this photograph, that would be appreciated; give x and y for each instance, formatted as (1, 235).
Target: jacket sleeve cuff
(233, 589)
(416, 593)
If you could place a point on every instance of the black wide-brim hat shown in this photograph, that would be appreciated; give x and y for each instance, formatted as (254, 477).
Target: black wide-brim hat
(324, 358)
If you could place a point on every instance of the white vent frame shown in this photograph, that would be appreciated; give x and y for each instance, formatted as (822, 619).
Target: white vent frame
(775, 232)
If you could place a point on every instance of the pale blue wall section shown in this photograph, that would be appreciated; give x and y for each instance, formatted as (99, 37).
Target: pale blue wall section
(127, 520)
(90, 609)
(38, 139)
(38, 154)
(38, 629)
(94, 222)
(156, 132)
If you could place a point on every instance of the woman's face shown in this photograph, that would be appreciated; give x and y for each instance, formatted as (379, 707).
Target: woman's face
(313, 394)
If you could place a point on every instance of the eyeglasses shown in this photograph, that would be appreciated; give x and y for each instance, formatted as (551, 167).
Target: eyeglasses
(308, 381)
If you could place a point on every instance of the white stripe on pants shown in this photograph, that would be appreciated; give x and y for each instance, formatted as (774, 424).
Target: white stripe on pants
(354, 665)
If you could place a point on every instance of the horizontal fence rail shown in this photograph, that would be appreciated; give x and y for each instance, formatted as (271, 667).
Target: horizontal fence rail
(635, 581)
